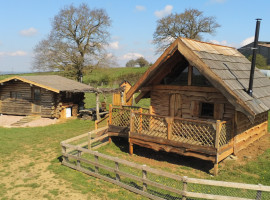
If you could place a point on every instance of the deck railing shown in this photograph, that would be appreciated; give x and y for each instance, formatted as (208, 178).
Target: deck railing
(206, 133)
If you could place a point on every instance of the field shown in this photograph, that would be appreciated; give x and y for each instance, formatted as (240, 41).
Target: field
(30, 166)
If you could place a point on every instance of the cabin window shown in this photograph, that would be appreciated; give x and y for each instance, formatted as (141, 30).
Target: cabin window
(179, 76)
(198, 79)
(15, 95)
(207, 110)
(68, 95)
(37, 95)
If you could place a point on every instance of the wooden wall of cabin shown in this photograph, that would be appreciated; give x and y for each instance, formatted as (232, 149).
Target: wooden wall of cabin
(188, 103)
(17, 99)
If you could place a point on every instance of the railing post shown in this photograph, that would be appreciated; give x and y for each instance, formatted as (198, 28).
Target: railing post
(132, 120)
(259, 194)
(96, 124)
(140, 127)
(110, 114)
(185, 188)
(144, 176)
(169, 121)
(117, 176)
(218, 123)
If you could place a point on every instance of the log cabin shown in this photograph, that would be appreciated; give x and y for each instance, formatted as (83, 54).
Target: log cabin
(49, 96)
(199, 103)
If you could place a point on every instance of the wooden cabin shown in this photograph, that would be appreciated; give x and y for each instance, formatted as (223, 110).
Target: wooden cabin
(199, 104)
(119, 97)
(49, 96)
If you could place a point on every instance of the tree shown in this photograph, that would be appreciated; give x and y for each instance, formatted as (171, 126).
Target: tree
(131, 63)
(260, 61)
(78, 35)
(142, 62)
(190, 24)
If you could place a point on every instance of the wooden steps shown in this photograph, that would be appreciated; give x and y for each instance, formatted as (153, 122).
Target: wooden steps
(25, 120)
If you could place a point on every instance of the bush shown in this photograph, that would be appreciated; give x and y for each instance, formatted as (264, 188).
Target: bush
(260, 61)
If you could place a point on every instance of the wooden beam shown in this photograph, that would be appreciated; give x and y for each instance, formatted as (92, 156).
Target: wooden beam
(190, 69)
(163, 58)
(140, 96)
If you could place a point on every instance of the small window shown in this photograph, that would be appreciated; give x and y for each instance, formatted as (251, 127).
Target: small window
(37, 95)
(207, 109)
(15, 95)
(198, 79)
(68, 95)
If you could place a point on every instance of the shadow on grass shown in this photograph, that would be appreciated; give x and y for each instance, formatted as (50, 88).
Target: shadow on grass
(163, 156)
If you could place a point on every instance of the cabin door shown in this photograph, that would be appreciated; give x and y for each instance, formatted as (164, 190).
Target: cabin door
(175, 105)
(36, 97)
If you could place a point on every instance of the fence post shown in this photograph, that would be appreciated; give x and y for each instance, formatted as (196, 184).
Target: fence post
(96, 167)
(185, 188)
(144, 176)
(78, 161)
(131, 130)
(96, 124)
(97, 106)
(89, 140)
(117, 176)
(218, 123)
(110, 114)
(64, 151)
(259, 194)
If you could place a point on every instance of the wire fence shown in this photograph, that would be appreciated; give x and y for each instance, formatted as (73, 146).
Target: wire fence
(153, 183)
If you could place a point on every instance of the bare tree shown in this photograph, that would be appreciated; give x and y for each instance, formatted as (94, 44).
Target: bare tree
(190, 24)
(78, 35)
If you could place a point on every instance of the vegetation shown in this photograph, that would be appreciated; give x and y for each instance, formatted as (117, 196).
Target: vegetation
(78, 36)
(190, 24)
(261, 61)
(139, 61)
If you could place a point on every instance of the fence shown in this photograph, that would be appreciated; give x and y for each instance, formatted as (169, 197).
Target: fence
(153, 183)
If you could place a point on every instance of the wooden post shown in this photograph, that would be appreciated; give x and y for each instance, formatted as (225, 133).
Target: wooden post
(140, 127)
(64, 151)
(96, 124)
(184, 188)
(89, 140)
(259, 194)
(97, 106)
(151, 118)
(110, 114)
(131, 130)
(169, 121)
(144, 176)
(117, 176)
(96, 167)
(218, 124)
(110, 140)
(78, 161)
(190, 68)
(235, 133)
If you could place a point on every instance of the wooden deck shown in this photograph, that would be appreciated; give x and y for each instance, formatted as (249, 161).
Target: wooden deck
(211, 140)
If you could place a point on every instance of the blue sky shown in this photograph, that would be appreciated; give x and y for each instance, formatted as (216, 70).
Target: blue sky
(26, 22)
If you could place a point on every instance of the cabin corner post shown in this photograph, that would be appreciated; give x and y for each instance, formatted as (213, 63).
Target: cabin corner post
(218, 128)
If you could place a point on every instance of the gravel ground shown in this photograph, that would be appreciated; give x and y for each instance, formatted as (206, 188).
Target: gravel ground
(7, 120)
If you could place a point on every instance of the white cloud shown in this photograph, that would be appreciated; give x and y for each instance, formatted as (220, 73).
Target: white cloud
(15, 53)
(140, 8)
(29, 32)
(166, 11)
(247, 41)
(224, 42)
(114, 45)
(130, 56)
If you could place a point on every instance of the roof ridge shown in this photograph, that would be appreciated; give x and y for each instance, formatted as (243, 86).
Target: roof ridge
(206, 42)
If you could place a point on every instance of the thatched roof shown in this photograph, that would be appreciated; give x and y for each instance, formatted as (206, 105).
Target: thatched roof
(224, 67)
(53, 83)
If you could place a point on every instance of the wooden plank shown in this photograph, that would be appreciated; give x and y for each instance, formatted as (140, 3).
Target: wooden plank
(179, 88)
(212, 196)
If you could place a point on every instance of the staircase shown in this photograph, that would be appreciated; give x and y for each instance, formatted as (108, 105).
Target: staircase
(25, 120)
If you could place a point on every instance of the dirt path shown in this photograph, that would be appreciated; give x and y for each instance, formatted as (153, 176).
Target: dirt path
(29, 178)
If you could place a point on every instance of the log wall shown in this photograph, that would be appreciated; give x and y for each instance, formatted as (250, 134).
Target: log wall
(190, 103)
(51, 103)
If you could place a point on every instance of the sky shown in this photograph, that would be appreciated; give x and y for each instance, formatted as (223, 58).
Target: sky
(24, 23)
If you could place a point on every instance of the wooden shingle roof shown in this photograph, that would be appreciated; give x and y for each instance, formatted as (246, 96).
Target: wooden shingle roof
(225, 67)
(53, 83)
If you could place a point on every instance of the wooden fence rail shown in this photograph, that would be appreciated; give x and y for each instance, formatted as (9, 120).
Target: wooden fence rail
(79, 159)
